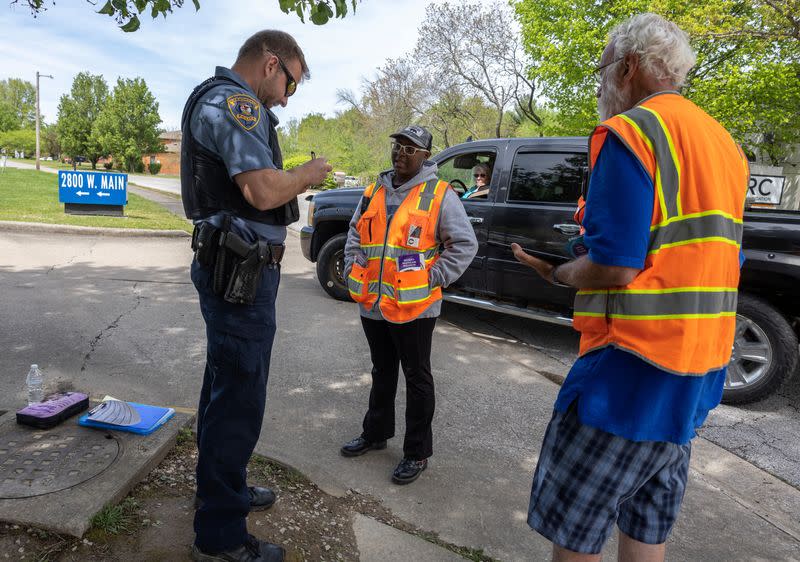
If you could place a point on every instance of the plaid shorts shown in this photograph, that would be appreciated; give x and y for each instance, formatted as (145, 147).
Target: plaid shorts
(587, 479)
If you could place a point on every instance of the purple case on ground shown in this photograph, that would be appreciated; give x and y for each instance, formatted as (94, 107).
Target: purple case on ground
(53, 410)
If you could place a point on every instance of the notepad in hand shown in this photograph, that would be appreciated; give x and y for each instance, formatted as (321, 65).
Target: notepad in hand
(152, 417)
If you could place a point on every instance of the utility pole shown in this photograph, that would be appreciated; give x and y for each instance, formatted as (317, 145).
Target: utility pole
(37, 113)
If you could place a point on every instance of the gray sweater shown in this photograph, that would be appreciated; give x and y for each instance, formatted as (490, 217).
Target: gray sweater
(453, 230)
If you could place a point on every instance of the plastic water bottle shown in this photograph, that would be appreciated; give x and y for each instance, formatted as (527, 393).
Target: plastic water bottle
(35, 383)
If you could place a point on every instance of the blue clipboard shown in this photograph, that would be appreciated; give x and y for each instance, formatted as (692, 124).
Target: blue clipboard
(153, 417)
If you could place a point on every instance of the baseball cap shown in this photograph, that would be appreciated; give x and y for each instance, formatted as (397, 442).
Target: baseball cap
(417, 135)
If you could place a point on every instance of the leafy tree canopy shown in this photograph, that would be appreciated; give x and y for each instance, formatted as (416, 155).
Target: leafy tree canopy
(126, 12)
(23, 140)
(748, 60)
(77, 113)
(127, 127)
(17, 104)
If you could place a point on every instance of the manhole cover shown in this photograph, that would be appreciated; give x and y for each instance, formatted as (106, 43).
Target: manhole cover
(33, 463)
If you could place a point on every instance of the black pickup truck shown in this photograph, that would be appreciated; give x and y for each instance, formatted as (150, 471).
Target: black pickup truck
(535, 183)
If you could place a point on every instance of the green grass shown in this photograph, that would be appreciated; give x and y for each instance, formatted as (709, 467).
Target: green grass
(116, 519)
(266, 469)
(31, 196)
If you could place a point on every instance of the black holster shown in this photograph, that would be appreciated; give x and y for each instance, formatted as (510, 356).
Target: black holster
(237, 265)
(246, 277)
(205, 242)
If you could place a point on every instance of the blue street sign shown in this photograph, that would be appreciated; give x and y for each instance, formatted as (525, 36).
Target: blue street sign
(92, 188)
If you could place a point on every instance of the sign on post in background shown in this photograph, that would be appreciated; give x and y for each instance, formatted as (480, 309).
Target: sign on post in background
(92, 193)
(765, 190)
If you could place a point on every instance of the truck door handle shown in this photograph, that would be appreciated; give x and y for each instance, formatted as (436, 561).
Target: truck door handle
(476, 220)
(568, 229)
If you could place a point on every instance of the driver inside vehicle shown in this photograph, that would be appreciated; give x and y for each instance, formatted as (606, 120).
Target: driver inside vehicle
(483, 177)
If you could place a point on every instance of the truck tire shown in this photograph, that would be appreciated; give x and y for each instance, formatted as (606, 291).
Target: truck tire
(765, 352)
(330, 268)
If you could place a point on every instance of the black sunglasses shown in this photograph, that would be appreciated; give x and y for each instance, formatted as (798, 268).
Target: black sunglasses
(291, 83)
(479, 175)
(598, 76)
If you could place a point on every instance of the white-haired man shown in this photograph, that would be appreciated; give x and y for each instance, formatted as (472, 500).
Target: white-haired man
(656, 305)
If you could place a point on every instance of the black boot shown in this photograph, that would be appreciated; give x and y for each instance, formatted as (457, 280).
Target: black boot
(359, 446)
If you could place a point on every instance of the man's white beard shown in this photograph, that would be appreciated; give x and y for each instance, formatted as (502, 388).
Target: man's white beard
(613, 101)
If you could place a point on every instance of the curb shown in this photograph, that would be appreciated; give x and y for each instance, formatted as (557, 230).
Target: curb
(38, 227)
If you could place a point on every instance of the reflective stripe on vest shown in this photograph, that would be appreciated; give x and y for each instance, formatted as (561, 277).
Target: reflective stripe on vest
(401, 295)
(679, 311)
(643, 304)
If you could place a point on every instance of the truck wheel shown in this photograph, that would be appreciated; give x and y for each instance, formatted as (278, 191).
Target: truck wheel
(330, 268)
(765, 352)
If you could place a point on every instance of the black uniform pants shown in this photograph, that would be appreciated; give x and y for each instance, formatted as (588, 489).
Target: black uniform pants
(391, 345)
(231, 409)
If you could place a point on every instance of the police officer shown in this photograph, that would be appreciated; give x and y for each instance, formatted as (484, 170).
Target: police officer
(235, 190)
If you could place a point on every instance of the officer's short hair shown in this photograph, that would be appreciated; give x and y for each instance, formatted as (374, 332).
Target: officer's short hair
(277, 42)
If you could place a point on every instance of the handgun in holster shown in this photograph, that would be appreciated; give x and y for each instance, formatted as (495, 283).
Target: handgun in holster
(232, 250)
(246, 277)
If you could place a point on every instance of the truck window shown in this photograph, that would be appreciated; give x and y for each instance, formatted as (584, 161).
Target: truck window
(546, 177)
(460, 170)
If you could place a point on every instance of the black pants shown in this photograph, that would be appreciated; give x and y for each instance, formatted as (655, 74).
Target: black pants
(231, 408)
(410, 345)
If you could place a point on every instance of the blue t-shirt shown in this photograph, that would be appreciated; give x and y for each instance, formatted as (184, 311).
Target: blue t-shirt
(616, 391)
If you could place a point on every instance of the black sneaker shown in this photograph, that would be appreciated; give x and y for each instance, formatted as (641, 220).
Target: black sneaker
(253, 550)
(408, 470)
(260, 498)
(359, 446)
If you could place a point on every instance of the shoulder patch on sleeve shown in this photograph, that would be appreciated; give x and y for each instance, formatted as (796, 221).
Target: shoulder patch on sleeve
(245, 110)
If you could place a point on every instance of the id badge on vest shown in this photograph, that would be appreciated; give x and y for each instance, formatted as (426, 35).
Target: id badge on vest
(414, 235)
(410, 262)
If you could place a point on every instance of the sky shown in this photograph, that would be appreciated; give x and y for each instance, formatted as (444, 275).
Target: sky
(175, 53)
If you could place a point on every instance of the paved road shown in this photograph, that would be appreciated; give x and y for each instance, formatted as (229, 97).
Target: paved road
(118, 316)
(764, 433)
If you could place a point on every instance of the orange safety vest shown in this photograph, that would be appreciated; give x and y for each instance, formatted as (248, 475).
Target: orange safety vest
(400, 253)
(679, 313)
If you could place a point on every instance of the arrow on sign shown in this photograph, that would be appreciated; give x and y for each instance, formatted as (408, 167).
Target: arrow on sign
(103, 194)
(82, 193)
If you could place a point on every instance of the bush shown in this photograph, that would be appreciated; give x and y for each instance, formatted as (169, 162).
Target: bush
(154, 167)
(20, 140)
(328, 183)
(108, 165)
(295, 161)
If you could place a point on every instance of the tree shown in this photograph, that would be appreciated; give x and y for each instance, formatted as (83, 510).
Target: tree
(77, 113)
(23, 140)
(474, 49)
(51, 146)
(748, 61)
(19, 98)
(8, 118)
(126, 12)
(127, 127)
